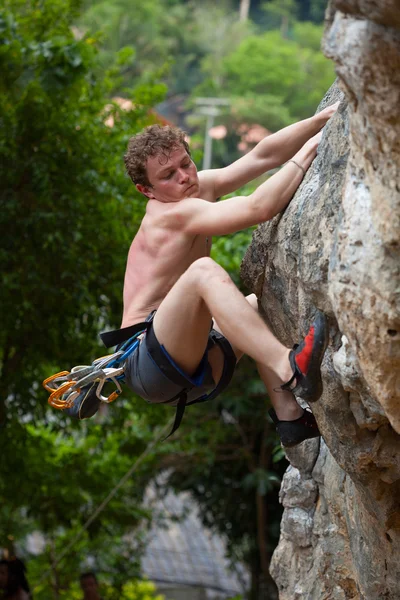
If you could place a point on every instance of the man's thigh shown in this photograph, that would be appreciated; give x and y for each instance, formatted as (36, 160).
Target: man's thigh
(182, 324)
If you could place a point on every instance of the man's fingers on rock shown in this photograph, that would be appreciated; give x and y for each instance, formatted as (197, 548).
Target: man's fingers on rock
(329, 111)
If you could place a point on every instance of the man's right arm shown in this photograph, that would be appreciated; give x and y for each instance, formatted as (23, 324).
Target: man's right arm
(195, 216)
(271, 152)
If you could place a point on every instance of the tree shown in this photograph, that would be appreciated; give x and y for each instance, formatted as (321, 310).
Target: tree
(64, 195)
(283, 10)
(68, 215)
(168, 37)
(317, 10)
(280, 72)
(66, 200)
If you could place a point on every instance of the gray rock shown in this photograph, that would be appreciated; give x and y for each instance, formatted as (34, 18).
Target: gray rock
(336, 248)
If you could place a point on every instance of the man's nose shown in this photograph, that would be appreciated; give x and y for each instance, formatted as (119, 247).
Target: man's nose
(183, 175)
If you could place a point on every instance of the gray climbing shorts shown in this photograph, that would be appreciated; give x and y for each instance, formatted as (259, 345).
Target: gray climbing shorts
(144, 376)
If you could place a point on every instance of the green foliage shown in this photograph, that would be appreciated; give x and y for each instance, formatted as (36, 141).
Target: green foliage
(219, 33)
(308, 35)
(317, 10)
(263, 480)
(176, 39)
(132, 590)
(133, 23)
(139, 590)
(202, 49)
(261, 109)
(64, 194)
(263, 64)
(281, 13)
(286, 76)
(59, 479)
(271, 78)
(228, 251)
(68, 215)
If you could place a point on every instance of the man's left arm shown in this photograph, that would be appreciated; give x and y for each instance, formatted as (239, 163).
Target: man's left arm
(271, 152)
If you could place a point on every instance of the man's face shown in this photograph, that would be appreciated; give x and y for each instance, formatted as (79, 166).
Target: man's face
(89, 587)
(172, 180)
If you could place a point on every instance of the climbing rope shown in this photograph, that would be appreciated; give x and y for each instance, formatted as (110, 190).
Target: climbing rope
(103, 504)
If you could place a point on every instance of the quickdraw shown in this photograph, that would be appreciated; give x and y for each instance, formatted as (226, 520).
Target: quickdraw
(66, 386)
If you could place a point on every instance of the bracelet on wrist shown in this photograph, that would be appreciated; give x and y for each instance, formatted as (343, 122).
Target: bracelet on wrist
(297, 165)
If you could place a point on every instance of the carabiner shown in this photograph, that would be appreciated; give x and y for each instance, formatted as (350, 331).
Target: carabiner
(113, 395)
(55, 399)
(61, 375)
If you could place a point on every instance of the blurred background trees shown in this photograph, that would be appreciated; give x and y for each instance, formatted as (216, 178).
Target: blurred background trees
(68, 214)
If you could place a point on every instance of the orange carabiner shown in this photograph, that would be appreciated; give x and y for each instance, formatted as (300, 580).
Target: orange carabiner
(55, 398)
(47, 381)
(113, 396)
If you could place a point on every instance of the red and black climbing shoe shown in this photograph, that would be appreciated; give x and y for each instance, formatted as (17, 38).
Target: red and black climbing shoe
(305, 360)
(297, 431)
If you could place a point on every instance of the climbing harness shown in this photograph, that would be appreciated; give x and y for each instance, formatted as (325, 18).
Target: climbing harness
(66, 386)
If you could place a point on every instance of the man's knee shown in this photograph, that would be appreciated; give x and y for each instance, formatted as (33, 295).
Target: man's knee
(253, 301)
(202, 269)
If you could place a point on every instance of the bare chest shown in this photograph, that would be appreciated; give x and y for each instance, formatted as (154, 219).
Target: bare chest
(170, 254)
(156, 263)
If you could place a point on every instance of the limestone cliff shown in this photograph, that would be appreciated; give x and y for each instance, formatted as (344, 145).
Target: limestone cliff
(336, 248)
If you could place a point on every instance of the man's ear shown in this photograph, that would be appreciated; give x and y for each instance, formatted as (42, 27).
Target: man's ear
(145, 190)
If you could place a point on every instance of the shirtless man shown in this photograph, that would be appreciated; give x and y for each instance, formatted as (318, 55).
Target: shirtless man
(172, 282)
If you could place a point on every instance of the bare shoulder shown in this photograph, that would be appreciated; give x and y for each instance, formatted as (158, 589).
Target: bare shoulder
(163, 221)
(154, 228)
(159, 216)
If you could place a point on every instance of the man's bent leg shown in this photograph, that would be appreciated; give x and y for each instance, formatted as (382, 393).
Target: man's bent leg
(207, 287)
(183, 320)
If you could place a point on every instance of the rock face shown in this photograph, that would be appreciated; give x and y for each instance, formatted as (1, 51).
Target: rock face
(337, 248)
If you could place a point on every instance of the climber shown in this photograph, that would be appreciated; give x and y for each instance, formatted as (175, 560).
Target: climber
(190, 323)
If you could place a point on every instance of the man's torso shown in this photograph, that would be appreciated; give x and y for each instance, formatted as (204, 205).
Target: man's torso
(158, 256)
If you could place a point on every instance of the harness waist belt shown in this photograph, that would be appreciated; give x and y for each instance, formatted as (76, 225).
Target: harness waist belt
(117, 336)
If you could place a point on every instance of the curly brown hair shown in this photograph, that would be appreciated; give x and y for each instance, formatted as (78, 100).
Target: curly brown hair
(154, 140)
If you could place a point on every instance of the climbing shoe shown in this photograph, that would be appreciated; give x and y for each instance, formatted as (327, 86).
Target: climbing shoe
(86, 404)
(305, 360)
(295, 432)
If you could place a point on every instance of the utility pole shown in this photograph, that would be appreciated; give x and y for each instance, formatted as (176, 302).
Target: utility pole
(244, 10)
(211, 108)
